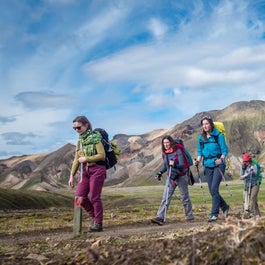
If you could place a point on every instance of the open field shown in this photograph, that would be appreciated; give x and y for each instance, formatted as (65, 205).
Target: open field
(44, 236)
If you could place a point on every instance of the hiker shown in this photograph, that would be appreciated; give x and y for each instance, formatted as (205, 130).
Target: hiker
(249, 173)
(90, 156)
(173, 162)
(212, 151)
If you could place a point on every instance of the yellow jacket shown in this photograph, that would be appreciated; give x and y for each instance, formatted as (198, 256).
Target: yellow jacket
(99, 156)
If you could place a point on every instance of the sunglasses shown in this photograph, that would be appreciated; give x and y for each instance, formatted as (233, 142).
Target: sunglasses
(206, 118)
(77, 128)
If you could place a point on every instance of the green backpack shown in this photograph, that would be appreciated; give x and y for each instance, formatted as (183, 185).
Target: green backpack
(259, 173)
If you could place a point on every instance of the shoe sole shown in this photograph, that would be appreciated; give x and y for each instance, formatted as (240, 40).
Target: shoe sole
(225, 215)
(91, 231)
(210, 221)
(157, 222)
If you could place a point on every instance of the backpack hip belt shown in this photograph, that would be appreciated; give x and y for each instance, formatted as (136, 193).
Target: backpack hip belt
(210, 157)
(91, 164)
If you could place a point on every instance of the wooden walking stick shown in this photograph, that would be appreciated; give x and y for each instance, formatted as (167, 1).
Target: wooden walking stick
(77, 229)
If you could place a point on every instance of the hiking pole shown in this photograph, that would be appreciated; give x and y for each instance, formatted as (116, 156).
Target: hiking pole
(245, 197)
(203, 195)
(167, 192)
(249, 189)
(77, 228)
(227, 186)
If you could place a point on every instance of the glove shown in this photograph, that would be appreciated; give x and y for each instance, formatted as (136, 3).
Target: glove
(158, 176)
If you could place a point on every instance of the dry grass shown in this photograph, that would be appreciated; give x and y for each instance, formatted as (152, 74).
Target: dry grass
(45, 236)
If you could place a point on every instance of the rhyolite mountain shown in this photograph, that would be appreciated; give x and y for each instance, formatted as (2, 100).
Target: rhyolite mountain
(141, 154)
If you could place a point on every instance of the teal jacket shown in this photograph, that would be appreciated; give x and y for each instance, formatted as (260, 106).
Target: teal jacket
(212, 148)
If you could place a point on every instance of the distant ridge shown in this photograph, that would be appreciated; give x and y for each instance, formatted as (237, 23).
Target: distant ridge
(141, 154)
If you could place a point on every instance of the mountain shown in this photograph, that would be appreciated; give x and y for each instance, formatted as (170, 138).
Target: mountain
(141, 154)
(49, 171)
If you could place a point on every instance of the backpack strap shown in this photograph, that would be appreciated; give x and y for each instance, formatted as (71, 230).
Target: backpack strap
(185, 159)
(216, 138)
(202, 142)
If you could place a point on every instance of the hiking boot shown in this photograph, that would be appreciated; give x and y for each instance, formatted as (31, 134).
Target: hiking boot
(225, 212)
(95, 228)
(190, 220)
(92, 222)
(157, 220)
(212, 218)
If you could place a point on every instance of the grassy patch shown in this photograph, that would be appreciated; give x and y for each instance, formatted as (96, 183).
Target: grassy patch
(29, 235)
(24, 199)
(122, 206)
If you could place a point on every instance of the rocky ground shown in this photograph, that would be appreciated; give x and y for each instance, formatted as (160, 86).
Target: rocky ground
(231, 241)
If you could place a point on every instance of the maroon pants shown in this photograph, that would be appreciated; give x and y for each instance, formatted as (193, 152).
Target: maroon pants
(89, 187)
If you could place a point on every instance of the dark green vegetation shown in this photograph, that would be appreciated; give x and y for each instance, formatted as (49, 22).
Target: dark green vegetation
(44, 235)
(25, 199)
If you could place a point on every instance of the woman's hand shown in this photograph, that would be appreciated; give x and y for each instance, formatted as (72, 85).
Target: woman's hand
(171, 163)
(82, 159)
(244, 176)
(197, 161)
(218, 161)
(71, 182)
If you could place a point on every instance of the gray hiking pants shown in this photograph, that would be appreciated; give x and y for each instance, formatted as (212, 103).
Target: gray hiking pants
(254, 207)
(182, 183)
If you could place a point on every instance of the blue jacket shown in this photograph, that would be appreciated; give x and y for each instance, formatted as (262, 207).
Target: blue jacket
(252, 178)
(212, 148)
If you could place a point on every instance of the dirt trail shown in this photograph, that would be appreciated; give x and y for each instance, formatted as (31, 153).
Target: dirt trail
(143, 229)
(142, 243)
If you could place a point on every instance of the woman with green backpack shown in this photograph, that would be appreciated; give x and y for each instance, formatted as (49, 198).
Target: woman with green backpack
(252, 177)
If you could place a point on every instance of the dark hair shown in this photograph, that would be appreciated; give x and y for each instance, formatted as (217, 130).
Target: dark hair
(84, 120)
(210, 120)
(171, 140)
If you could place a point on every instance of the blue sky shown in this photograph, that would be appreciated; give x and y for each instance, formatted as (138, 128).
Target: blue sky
(130, 66)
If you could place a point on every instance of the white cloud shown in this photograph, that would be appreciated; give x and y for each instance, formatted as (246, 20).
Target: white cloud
(157, 28)
(130, 66)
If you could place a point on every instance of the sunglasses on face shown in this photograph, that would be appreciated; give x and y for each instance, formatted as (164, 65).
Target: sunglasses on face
(77, 128)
